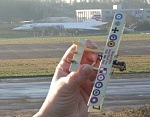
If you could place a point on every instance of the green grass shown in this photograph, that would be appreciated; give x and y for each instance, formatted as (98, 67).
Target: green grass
(136, 63)
(28, 67)
(46, 66)
(125, 37)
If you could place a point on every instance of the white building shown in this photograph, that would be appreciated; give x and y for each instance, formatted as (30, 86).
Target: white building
(107, 14)
(83, 15)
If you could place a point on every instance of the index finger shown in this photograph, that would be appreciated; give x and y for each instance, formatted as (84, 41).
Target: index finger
(65, 64)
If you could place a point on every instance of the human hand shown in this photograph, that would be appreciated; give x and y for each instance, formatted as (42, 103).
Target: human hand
(69, 92)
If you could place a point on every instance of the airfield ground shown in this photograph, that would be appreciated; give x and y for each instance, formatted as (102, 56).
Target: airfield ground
(129, 112)
(22, 50)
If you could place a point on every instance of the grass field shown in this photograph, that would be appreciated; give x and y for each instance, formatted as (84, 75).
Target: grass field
(125, 37)
(46, 66)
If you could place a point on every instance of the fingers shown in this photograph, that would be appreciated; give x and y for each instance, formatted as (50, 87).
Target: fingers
(64, 64)
(75, 79)
(93, 77)
(87, 87)
(88, 57)
(68, 53)
(90, 44)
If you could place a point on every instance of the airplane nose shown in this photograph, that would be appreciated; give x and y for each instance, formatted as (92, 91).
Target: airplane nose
(15, 28)
(22, 28)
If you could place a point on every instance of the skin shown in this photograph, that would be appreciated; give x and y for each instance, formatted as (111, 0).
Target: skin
(69, 91)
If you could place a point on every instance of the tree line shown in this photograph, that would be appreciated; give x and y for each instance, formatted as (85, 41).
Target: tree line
(17, 10)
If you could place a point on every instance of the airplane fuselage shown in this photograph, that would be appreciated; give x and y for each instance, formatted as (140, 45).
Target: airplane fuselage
(90, 24)
(80, 25)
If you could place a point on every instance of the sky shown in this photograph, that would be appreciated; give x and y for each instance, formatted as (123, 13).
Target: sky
(69, 1)
(79, 0)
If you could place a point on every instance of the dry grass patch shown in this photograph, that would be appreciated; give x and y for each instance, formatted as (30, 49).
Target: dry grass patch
(46, 66)
(137, 63)
(18, 114)
(130, 112)
(28, 67)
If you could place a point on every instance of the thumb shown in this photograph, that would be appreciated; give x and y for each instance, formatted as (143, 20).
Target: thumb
(75, 79)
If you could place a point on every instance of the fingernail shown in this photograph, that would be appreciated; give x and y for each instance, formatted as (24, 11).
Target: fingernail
(93, 44)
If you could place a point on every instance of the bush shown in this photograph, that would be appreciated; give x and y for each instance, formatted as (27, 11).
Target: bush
(143, 26)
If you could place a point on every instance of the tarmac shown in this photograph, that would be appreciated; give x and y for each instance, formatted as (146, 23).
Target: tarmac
(29, 93)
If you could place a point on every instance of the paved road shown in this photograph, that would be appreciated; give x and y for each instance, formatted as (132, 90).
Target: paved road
(29, 93)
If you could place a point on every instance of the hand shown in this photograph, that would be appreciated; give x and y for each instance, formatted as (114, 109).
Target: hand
(69, 92)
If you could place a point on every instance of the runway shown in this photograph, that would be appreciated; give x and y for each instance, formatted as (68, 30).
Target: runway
(29, 93)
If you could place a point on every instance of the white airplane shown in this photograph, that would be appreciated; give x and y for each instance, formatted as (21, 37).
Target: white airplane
(90, 24)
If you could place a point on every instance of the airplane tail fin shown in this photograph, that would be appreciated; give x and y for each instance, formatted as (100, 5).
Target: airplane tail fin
(95, 18)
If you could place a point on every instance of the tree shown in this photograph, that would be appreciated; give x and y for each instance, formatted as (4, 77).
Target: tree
(143, 26)
(35, 9)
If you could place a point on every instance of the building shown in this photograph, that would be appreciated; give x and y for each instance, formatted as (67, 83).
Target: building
(83, 15)
(57, 19)
(107, 14)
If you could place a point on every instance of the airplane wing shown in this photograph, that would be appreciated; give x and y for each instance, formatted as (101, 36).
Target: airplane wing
(103, 75)
(82, 28)
(93, 28)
